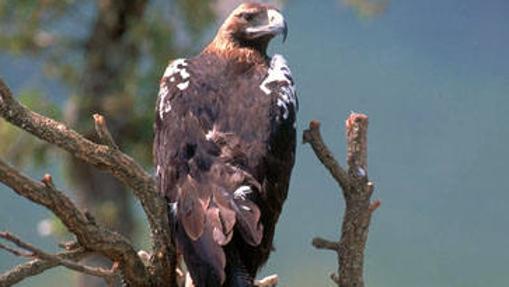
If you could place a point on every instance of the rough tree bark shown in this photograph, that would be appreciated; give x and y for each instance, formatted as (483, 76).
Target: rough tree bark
(357, 191)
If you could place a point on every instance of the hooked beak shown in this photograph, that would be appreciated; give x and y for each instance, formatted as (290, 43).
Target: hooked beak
(276, 25)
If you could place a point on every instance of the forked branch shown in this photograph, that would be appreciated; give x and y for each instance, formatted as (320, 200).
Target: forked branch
(30, 251)
(103, 157)
(103, 132)
(37, 266)
(357, 191)
(110, 159)
(89, 234)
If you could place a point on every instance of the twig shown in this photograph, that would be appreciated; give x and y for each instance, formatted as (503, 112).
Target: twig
(357, 143)
(320, 243)
(37, 266)
(38, 253)
(374, 205)
(15, 252)
(117, 163)
(108, 275)
(69, 245)
(102, 131)
(357, 191)
(106, 158)
(48, 181)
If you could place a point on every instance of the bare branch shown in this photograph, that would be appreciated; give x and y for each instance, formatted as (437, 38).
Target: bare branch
(93, 237)
(314, 138)
(15, 252)
(103, 157)
(106, 158)
(48, 181)
(37, 266)
(374, 205)
(108, 275)
(69, 245)
(102, 131)
(335, 278)
(357, 142)
(357, 191)
(320, 243)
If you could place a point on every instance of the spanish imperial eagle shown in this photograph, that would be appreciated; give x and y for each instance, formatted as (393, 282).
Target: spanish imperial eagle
(224, 147)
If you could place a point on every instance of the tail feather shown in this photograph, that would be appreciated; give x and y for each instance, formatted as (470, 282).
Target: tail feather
(205, 259)
(239, 279)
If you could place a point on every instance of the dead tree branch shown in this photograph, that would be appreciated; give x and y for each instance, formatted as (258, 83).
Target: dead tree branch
(102, 131)
(34, 252)
(106, 157)
(357, 191)
(89, 234)
(37, 266)
(320, 243)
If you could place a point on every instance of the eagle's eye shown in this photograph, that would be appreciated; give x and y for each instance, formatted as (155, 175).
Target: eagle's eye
(247, 16)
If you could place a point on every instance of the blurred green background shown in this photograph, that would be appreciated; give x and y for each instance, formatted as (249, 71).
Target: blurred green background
(433, 76)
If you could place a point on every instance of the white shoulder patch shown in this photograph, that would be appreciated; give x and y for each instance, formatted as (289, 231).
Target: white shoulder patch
(174, 69)
(176, 66)
(280, 72)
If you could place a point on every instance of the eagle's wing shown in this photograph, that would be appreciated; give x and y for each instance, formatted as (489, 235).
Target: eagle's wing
(209, 152)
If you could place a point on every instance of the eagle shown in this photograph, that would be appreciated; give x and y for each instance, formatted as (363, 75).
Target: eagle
(224, 147)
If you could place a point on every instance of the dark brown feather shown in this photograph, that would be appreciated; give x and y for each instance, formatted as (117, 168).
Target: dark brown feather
(191, 210)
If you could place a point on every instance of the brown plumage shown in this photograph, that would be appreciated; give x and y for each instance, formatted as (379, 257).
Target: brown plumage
(224, 147)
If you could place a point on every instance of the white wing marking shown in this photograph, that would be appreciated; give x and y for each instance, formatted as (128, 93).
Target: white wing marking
(280, 72)
(174, 68)
(183, 86)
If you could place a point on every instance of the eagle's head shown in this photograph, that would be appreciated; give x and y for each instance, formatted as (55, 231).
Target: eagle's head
(251, 26)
